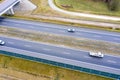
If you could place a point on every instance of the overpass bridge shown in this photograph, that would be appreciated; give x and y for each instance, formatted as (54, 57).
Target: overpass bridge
(7, 6)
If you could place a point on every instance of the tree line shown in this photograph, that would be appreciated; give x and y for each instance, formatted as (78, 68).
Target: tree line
(113, 5)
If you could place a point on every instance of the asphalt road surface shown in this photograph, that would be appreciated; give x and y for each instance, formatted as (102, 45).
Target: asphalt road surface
(61, 30)
(108, 61)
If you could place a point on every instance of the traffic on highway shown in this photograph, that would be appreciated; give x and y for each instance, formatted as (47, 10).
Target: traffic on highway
(109, 61)
(93, 62)
(62, 30)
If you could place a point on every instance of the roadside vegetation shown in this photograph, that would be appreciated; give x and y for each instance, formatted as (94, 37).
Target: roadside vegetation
(63, 41)
(91, 6)
(1, 1)
(12, 74)
(46, 72)
(113, 5)
(44, 13)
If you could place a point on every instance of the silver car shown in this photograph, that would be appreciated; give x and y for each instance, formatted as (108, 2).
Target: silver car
(96, 54)
(2, 42)
(71, 30)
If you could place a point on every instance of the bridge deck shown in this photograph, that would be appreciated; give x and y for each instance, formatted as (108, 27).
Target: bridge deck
(6, 5)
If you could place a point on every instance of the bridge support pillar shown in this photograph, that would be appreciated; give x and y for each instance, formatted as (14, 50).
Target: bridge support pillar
(10, 12)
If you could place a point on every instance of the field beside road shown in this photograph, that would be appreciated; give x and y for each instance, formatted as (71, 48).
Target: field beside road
(44, 13)
(87, 6)
(1, 1)
(15, 69)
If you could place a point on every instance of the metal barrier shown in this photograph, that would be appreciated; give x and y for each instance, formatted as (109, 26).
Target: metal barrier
(68, 66)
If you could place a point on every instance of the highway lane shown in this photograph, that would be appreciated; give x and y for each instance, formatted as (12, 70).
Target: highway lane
(60, 29)
(108, 61)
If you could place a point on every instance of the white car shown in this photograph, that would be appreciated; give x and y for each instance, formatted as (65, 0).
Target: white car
(98, 54)
(71, 30)
(2, 42)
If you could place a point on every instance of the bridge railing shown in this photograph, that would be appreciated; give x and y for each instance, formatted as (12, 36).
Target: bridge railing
(7, 5)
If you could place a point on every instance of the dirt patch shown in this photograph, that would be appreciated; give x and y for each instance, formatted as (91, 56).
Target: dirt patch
(25, 6)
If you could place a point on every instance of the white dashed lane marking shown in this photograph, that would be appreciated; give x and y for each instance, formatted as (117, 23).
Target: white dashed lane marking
(66, 53)
(31, 27)
(97, 36)
(11, 42)
(46, 49)
(61, 31)
(111, 61)
(116, 38)
(17, 24)
(87, 57)
(27, 45)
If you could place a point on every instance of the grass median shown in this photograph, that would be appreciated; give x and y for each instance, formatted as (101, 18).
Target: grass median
(63, 41)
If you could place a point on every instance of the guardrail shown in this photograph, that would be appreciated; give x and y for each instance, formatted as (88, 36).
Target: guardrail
(58, 64)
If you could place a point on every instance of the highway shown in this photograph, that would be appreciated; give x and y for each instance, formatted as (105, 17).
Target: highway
(108, 61)
(61, 30)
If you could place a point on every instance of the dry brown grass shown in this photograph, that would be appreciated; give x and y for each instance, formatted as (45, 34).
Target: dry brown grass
(1, 1)
(44, 9)
(10, 74)
(28, 70)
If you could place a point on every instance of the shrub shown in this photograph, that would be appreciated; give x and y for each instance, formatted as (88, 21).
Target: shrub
(113, 5)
